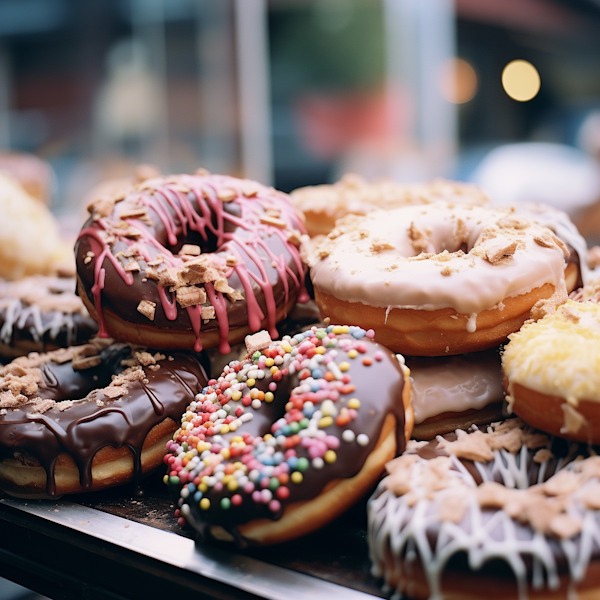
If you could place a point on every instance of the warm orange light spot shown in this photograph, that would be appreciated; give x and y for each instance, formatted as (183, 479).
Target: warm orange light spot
(458, 81)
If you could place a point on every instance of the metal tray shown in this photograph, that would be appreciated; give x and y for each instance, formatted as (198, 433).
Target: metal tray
(125, 543)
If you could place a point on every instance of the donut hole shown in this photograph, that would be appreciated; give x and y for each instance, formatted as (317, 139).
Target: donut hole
(62, 382)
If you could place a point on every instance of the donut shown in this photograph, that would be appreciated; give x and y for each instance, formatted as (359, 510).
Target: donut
(41, 313)
(85, 418)
(287, 439)
(322, 205)
(29, 240)
(34, 174)
(588, 293)
(190, 261)
(577, 271)
(455, 392)
(506, 513)
(552, 372)
(438, 279)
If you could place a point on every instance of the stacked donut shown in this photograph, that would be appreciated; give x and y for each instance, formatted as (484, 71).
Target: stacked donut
(447, 282)
(182, 262)
(508, 507)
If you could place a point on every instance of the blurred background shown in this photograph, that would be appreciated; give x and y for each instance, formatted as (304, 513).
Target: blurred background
(298, 92)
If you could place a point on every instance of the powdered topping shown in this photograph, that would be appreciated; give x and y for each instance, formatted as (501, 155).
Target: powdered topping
(492, 253)
(559, 352)
(255, 231)
(42, 305)
(503, 506)
(222, 469)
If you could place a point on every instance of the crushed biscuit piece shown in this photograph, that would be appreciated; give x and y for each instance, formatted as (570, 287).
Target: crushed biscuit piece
(231, 261)
(147, 308)
(274, 221)
(190, 249)
(226, 195)
(222, 286)
(257, 341)
(132, 266)
(115, 391)
(378, 245)
(208, 313)
(88, 362)
(418, 237)
(190, 296)
(501, 248)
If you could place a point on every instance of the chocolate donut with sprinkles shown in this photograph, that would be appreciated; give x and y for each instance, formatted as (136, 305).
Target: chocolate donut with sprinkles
(190, 261)
(290, 437)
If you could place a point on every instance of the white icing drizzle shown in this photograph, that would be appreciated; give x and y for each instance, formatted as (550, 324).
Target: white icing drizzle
(482, 534)
(472, 323)
(48, 302)
(455, 383)
(381, 261)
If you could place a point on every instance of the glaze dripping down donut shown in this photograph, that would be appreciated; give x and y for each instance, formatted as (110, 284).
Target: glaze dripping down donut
(289, 438)
(191, 261)
(88, 417)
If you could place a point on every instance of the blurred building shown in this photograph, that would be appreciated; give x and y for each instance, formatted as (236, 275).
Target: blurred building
(291, 92)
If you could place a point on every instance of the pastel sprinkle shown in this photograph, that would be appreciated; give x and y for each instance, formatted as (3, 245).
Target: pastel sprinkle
(330, 456)
(348, 435)
(354, 403)
(362, 439)
(344, 366)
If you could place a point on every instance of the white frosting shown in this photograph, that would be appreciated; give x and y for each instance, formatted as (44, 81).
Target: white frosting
(559, 222)
(455, 383)
(32, 297)
(372, 260)
(483, 534)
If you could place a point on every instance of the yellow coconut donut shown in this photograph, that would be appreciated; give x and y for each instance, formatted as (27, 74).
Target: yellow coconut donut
(438, 279)
(29, 238)
(552, 372)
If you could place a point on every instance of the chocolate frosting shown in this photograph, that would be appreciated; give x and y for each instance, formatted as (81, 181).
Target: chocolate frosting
(378, 387)
(555, 535)
(94, 420)
(189, 209)
(43, 312)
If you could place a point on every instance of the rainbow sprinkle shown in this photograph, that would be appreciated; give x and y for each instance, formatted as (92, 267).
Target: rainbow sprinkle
(209, 454)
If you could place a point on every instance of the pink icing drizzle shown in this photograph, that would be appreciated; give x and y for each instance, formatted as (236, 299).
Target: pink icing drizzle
(182, 216)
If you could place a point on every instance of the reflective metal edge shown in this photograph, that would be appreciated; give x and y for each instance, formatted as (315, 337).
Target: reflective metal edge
(242, 572)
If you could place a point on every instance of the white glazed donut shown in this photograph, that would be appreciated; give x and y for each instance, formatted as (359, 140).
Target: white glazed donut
(438, 279)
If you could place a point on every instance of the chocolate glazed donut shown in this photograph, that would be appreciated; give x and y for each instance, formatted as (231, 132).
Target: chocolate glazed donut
(510, 511)
(40, 313)
(191, 260)
(86, 418)
(289, 438)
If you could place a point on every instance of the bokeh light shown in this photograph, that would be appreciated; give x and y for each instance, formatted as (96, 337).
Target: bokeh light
(520, 80)
(458, 82)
